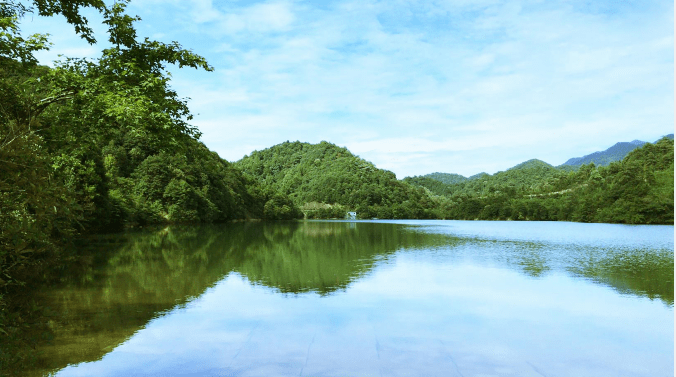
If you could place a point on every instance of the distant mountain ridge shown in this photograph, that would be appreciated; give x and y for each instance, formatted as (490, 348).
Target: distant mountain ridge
(601, 158)
(533, 165)
(615, 153)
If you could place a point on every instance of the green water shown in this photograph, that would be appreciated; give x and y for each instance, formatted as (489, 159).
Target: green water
(368, 298)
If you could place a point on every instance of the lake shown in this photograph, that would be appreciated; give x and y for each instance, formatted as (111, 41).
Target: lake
(368, 298)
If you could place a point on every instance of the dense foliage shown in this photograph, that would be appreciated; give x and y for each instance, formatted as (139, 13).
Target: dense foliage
(327, 180)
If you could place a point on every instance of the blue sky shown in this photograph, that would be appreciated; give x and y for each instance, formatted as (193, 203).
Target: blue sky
(416, 87)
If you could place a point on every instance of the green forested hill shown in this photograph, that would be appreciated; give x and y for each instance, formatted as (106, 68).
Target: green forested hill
(637, 190)
(521, 178)
(326, 181)
(321, 177)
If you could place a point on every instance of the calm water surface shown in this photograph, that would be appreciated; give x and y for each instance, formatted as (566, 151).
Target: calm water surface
(390, 298)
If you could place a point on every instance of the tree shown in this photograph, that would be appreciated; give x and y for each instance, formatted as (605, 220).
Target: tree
(71, 137)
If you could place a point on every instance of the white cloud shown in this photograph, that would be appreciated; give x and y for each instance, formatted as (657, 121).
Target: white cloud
(418, 86)
(203, 11)
(258, 17)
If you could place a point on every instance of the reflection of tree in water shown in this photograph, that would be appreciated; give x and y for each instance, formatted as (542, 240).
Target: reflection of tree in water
(640, 272)
(531, 258)
(320, 257)
(532, 262)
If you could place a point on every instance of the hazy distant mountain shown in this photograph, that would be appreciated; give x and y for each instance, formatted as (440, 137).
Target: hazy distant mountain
(615, 153)
(612, 154)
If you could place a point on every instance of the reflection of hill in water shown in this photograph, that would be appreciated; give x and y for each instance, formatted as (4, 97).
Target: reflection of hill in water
(639, 272)
(319, 256)
(135, 277)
